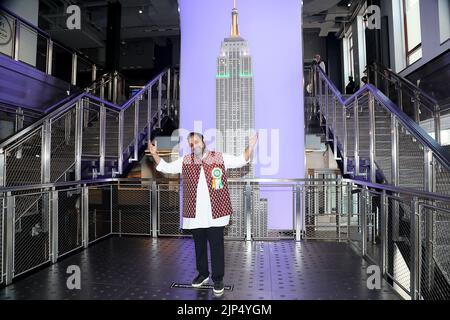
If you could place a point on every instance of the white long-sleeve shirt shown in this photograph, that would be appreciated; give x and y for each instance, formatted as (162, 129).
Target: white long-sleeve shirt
(203, 213)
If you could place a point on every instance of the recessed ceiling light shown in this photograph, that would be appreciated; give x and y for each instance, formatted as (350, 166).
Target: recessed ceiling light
(140, 11)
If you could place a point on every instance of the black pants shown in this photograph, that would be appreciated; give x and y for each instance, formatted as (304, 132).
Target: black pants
(214, 236)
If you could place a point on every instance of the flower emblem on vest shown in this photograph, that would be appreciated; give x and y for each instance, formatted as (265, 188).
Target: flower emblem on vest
(217, 178)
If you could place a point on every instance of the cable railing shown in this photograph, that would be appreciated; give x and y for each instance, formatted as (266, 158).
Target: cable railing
(85, 136)
(33, 46)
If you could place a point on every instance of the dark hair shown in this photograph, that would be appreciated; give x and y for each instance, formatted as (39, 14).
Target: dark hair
(191, 134)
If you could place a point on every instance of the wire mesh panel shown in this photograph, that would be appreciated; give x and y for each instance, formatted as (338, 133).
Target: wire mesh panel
(112, 134)
(91, 129)
(364, 127)
(354, 217)
(426, 119)
(99, 212)
(62, 155)
(442, 178)
(31, 236)
(383, 142)
(128, 127)
(169, 209)
(131, 209)
(323, 210)
(398, 255)
(372, 211)
(435, 252)
(143, 112)
(70, 221)
(350, 129)
(340, 124)
(236, 227)
(23, 161)
(2, 236)
(262, 199)
(411, 159)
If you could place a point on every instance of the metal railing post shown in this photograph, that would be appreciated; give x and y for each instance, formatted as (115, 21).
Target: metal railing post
(247, 211)
(362, 213)
(18, 124)
(437, 124)
(159, 101)
(102, 88)
(102, 145)
(136, 129)
(298, 213)
(149, 113)
(9, 237)
(175, 89)
(335, 136)
(399, 96)
(395, 151)
(154, 213)
(79, 115)
(384, 209)
(54, 225)
(327, 120)
(428, 169)
(2, 168)
(356, 137)
(46, 151)
(85, 214)
(94, 73)
(114, 89)
(344, 126)
(349, 208)
(16, 40)
(320, 100)
(417, 106)
(168, 92)
(414, 249)
(49, 61)
(372, 134)
(74, 69)
(120, 142)
(110, 81)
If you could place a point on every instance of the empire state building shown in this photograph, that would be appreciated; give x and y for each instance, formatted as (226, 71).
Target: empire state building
(235, 117)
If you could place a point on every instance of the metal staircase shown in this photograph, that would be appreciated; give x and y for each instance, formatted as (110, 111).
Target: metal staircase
(87, 137)
(377, 141)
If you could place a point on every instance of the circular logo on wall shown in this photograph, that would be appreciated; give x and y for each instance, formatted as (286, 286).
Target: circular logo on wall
(5, 30)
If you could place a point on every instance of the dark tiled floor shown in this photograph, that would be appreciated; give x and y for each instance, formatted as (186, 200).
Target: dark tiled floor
(145, 268)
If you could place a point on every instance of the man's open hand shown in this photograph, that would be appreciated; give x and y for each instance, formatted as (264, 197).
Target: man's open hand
(253, 140)
(152, 148)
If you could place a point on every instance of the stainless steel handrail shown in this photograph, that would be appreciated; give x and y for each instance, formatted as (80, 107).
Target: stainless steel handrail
(70, 104)
(53, 114)
(419, 133)
(142, 91)
(376, 186)
(404, 81)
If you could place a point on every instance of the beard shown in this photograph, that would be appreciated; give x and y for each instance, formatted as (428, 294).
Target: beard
(198, 151)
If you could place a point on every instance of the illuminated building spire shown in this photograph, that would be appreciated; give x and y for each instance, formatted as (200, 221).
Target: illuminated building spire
(234, 24)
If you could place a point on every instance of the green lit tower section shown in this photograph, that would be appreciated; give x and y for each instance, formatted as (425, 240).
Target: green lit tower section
(234, 97)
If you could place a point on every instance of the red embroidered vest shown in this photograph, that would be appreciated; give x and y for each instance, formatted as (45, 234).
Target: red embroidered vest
(216, 180)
